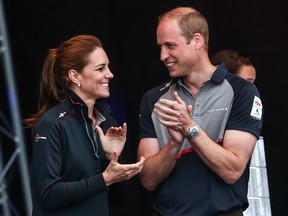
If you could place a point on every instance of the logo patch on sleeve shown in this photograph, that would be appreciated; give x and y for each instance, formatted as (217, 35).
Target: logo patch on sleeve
(38, 137)
(256, 111)
(61, 115)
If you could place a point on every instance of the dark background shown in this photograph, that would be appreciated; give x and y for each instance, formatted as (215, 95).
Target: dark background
(256, 28)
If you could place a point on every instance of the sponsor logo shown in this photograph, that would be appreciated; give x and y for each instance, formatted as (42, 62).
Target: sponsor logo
(217, 109)
(166, 86)
(257, 107)
(38, 137)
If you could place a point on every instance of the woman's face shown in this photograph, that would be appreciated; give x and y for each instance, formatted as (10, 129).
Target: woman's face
(95, 77)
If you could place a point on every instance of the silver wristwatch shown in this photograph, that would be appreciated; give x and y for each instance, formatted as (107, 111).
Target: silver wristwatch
(193, 132)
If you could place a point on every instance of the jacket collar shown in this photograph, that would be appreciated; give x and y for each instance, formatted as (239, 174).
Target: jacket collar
(77, 102)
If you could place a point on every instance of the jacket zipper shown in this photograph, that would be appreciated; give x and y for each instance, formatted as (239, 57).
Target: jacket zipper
(95, 147)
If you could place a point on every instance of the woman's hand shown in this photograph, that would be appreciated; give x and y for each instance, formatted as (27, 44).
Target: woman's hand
(116, 172)
(114, 140)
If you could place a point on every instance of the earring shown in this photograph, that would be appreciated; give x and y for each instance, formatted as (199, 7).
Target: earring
(78, 85)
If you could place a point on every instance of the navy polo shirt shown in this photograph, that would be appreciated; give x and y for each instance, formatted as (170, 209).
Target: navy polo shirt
(225, 102)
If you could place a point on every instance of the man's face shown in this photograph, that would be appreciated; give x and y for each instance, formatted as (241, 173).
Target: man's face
(178, 55)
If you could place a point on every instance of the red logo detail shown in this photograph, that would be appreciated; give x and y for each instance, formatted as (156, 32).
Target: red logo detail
(38, 137)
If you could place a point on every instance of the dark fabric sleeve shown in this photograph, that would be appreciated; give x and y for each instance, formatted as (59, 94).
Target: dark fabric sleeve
(146, 126)
(244, 115)
(46, 170)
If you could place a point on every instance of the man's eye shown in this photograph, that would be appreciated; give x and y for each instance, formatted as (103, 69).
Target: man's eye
(170, 46)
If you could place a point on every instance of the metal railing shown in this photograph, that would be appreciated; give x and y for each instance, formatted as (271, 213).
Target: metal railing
(16, 133)
(258, 190)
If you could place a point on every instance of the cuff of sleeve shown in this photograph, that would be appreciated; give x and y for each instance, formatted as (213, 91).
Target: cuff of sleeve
(98, 184)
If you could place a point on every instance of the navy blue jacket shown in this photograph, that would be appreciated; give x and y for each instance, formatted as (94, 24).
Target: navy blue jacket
(66, 174)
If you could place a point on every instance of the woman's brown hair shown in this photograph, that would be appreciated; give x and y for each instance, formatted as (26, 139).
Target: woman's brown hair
(54, 81)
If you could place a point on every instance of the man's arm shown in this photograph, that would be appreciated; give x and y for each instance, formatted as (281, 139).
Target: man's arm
(229, 160)
(158, 163)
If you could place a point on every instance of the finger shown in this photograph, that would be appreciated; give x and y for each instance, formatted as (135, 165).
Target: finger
(164, 109)
(141, 161)
(100, 131)
(135, 166)
(124, 127)
(115, 130)
(166, 102)
(111, 131)
(115, 157)
(163, 118)
(167, 123)
(160, 115)
(130, 174)
(189, 109)
(178, 98)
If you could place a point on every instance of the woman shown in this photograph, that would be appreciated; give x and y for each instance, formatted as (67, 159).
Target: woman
(76, 143)
(236, 63)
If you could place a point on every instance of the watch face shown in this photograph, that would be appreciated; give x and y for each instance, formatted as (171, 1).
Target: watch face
(193, 132)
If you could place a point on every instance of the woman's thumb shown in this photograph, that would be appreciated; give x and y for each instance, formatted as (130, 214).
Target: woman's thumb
(99, 130)
(115, 156)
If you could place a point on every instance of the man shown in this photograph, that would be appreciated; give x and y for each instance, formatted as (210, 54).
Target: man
(199, 129)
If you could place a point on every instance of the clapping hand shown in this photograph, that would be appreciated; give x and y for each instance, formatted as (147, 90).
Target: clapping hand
(174, 114)
(116, 172)
(114, 140)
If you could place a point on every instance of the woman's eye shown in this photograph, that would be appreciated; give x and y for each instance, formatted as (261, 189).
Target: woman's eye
(100, 69)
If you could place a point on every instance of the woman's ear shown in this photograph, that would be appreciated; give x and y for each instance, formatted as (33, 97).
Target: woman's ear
(74, 76)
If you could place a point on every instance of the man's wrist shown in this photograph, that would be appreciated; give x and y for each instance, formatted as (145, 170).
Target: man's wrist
(192, 132)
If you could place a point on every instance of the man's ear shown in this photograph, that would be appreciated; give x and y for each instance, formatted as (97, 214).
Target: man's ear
(198, 40)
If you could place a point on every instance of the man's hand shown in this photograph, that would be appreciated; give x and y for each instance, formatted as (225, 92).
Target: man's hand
(175, 115)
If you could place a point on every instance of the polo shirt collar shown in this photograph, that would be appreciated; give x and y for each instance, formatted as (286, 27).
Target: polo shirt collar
(220, 74)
